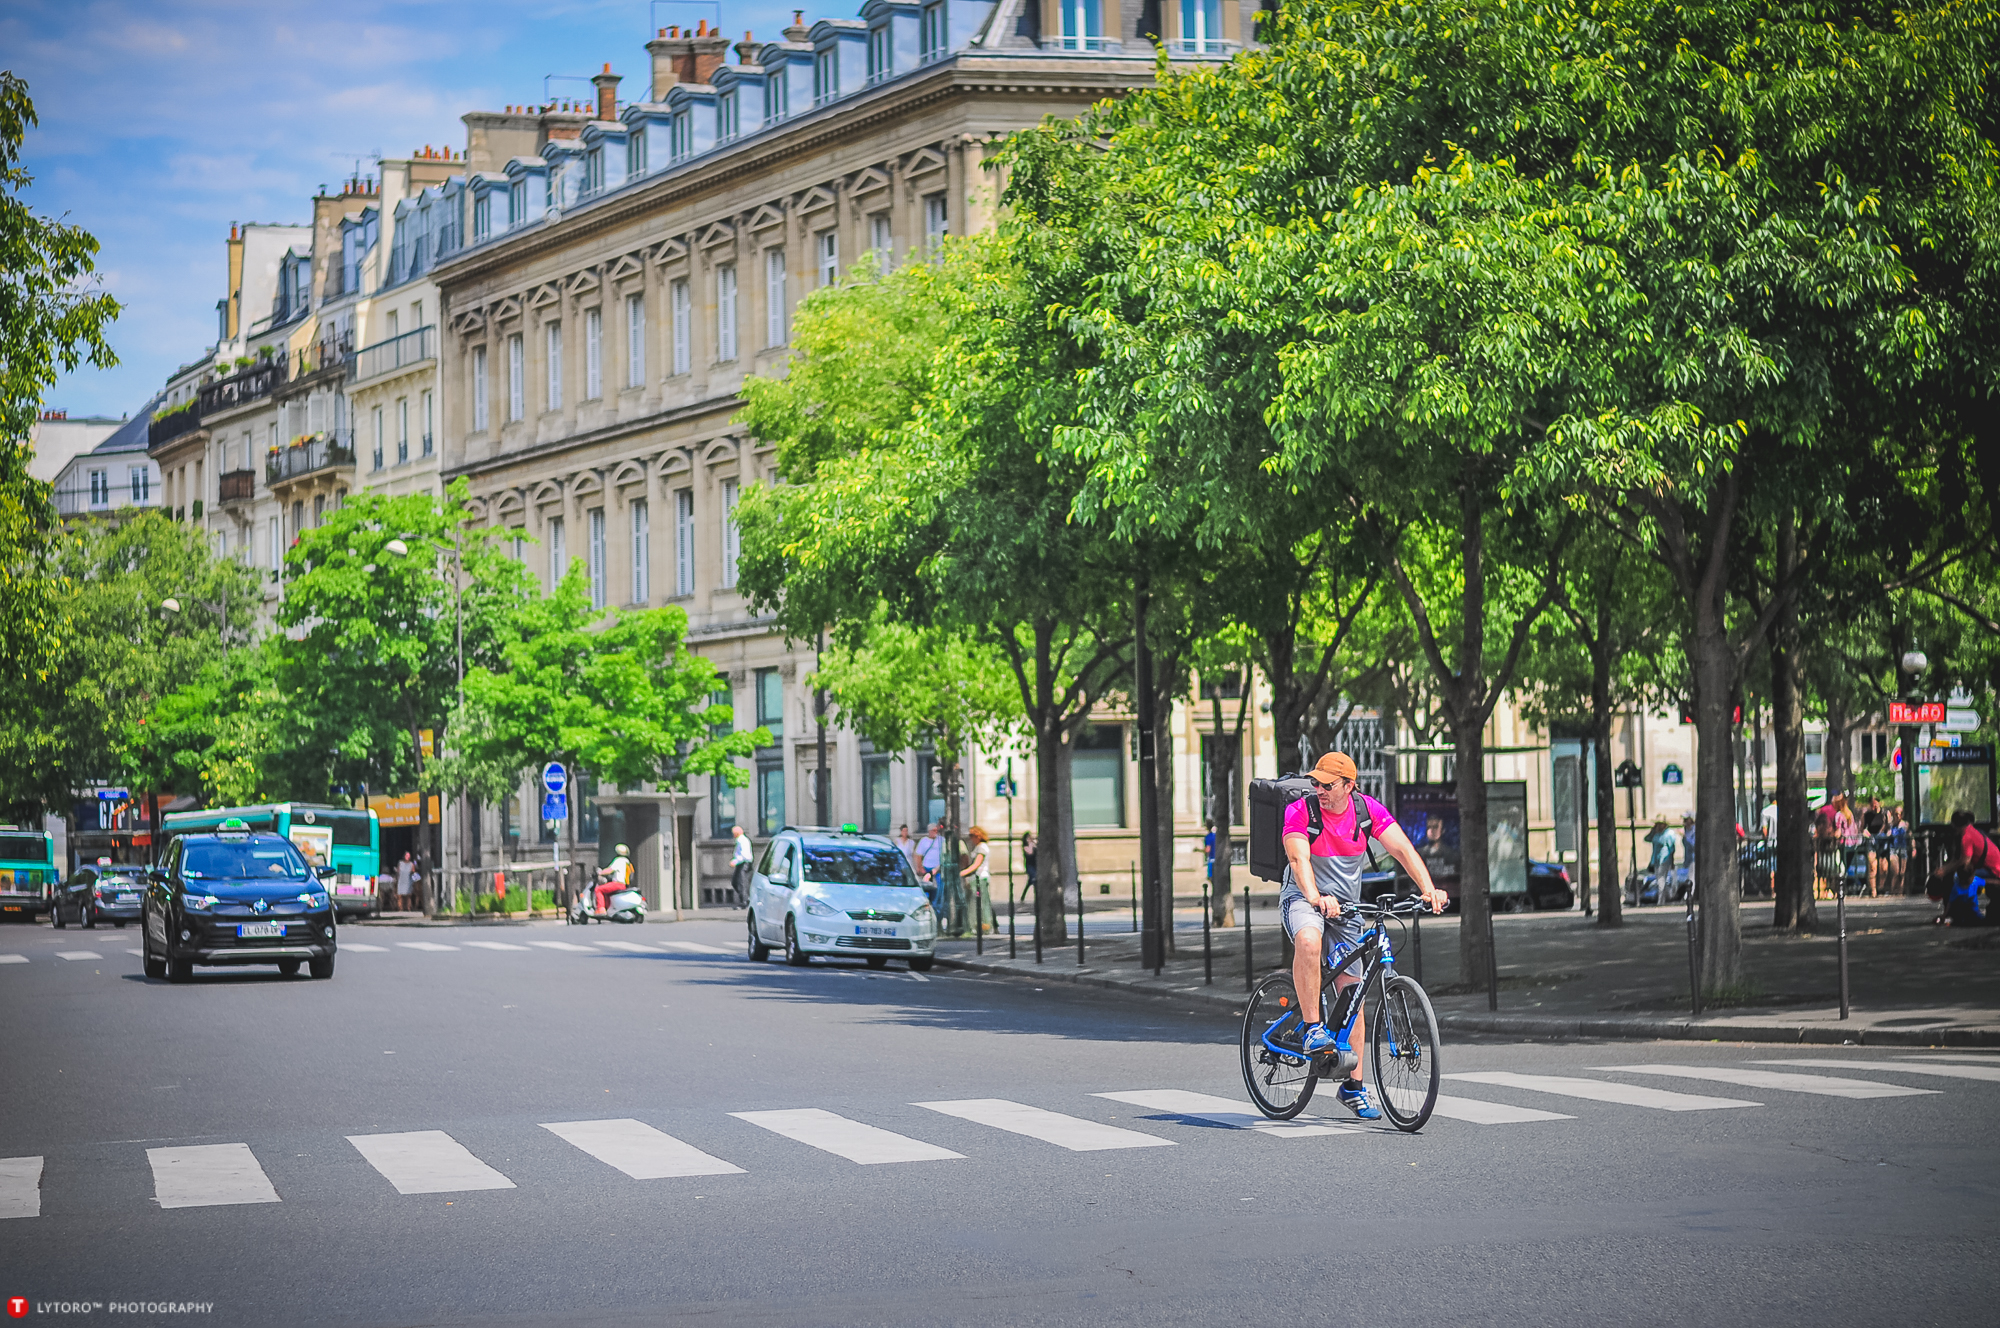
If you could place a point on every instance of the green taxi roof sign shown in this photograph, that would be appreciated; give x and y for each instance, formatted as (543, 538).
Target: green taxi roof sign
(235, 823)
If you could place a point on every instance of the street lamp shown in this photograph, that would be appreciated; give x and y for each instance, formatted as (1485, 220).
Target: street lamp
(1914, 662)
(219, 607)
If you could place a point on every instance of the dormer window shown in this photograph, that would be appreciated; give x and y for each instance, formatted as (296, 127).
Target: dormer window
(593, 170)
(635, 153)
(680, 135)
(881, 54)
(931, 38)
(482, 217)
(777, 95)
(517, 203)
(826, 74)
(727, 119)
(1082, 25)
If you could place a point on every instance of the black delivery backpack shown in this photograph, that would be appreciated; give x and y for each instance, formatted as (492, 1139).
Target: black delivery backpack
(1268, 800)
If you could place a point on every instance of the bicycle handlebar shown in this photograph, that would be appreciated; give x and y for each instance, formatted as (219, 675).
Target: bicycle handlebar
(1404, 907)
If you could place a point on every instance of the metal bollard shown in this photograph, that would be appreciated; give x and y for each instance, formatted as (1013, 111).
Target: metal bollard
(1694, 955)
(1012, 950)
(1840, 914)
(1249, 981)
(1135, 898)
(1079, 921)
(978, 918)
(1207, 954)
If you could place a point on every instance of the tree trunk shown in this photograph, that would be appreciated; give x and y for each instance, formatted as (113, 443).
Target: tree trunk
(1475, 903)
(1051, 861)
(1610, 892)
(1163, 799)
(1839, 730)
(1792, 882)
(1072, 873)
(1713, 664)
(1152, 939)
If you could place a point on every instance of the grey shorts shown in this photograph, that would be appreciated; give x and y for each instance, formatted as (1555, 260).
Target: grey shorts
(1300, 916)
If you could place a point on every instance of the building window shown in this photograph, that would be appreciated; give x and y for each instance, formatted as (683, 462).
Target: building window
(931, 37)
(319, 510)
(683, 316)
(277, 546)
(595, 553)
(937, 223)
(1082, 30)
(381, 436)
(100, 488)
(777, 96)
(774, 297)
(555, 367)
(770, 795)
(826, 75)
(517, 203)
(732, 538)
(721, 805)
(881, 240)
(881, 54)
(593, 170)
(516, 378)
(482, 216)
(680, 135)
(1097, 775)
(635, 154)
(725, 313)
(593, 354)
(642, 552)
(430, 421)
(875, 776)
(829, 257)
(402, 430)
(1201, 26)
(635, 340)
(479, 387)
(684, 542)
(558, 554)
(769, 697)
(727, 118)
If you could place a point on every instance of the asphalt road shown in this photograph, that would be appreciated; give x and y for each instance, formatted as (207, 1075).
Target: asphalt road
(246, 1143)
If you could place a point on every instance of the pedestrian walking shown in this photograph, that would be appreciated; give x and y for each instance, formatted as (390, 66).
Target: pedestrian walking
(930, 852)
(906, 845)
(1899, 851)
(1874, 830)
(981, 877)
(1833, 827)
(1687, 846)
(1028, 860)
(739, 866)
(406, 881)
(1660, 866)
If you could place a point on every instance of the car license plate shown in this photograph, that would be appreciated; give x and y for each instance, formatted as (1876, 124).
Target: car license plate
(128, 899)
(874, 931)
(248, 929)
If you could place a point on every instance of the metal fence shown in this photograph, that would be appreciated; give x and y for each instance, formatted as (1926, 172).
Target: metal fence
(510, 890)
(395, 353)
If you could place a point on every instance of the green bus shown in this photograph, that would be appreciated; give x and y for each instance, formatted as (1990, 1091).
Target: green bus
(28, 872)
(347, 839)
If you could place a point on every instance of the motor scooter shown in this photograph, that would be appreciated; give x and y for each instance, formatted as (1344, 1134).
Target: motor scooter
(624, 905)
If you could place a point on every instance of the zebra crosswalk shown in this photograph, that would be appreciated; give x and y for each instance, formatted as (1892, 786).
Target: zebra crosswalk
(1175, 1120)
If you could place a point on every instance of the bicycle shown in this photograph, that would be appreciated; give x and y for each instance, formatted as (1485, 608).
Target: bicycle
(1403, 1030)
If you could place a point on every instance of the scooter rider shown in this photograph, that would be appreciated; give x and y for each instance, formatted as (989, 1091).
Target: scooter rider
(614, 876)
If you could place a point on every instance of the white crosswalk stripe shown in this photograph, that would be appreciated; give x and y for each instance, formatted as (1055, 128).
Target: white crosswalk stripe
(695, 947)
(424, 945)
(637, 946)
(497, 945)
(639, 1150)
(1212, 1110)
(140, 953)
(13, 959)
(78, 954)
(1988, 1073)
(846, 1138)
(20, 1187)
(364, 949)
(207, 1175)
(1597, 1090)
(427, 1162)
(1051, 1127)
(563, 945)
(1479, 1112)
(1825, 1085)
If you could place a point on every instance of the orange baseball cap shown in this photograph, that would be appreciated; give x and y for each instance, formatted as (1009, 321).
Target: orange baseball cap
(1332, 766)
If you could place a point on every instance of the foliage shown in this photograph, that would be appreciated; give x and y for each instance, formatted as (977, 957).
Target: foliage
(903, 687)
(220, 737)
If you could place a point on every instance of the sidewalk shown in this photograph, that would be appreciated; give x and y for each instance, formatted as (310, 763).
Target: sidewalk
(1910, 983)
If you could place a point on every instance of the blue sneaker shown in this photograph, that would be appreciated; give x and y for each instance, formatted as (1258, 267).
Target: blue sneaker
(1318, 1038)
(1355, 1098)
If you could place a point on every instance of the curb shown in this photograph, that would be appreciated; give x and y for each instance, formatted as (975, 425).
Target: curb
(1648, 1030)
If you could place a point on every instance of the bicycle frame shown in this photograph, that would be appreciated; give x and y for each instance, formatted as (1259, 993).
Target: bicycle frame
(1374, 947)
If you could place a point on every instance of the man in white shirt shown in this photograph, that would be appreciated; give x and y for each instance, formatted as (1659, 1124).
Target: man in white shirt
(739, 865)
(930, 852)
(906, 845)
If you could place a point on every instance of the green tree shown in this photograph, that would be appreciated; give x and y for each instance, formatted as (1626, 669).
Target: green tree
(222, 736)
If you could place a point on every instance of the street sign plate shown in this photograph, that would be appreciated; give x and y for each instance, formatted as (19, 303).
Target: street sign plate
(1957, 719)
(554, 778)
(122, 795)
(555, 807)
(1925, 712)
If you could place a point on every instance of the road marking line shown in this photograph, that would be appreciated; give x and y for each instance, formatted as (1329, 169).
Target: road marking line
(918, 976)
(204, 1175)
(1986, 1056)
(1051, 1127)
(1219, 1111)
(140, 953)
(636, 946)
(497, 945)
(1597, 1090)
(695, 947)
(845, 1138)
(13, 959)
(364, 949)
(1489, 1113)
(639, 1150)
(1988, 1073)
(424, 945)
(427, 1162)
(563, 945)
(78, 954)
(1825, 1085)
(20, 1187)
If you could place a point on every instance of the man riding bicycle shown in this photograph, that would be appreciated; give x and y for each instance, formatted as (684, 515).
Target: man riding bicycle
(1322, 877)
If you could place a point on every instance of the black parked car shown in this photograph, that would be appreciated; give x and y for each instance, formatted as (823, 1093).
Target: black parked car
(234, 897)
(1548, 888)
(99, 894)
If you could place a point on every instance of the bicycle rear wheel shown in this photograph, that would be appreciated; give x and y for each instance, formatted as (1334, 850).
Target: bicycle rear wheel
(1404, 1033)
(1280, 1083)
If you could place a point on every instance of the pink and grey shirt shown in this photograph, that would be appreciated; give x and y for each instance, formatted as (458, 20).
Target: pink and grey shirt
(1340, 854)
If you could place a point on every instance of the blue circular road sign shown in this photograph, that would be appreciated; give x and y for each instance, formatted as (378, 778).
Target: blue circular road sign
(554, 778)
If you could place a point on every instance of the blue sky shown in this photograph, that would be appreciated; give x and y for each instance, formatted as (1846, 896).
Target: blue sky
(163, 123)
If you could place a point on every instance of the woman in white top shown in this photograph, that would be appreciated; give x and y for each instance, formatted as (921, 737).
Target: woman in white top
(982, 879)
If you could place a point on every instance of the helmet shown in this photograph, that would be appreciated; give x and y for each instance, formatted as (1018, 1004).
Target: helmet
(622, 851)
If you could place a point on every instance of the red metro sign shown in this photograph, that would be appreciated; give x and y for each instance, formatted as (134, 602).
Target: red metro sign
(1926, 712)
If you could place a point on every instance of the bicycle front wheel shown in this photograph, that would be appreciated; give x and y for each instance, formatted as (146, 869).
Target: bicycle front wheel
(1280, 1082)
(1404, 1032)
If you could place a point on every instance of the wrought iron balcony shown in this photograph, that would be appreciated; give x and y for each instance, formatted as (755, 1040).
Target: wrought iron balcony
(396, 353)
(172, 425)
(259, 380)
(322, 451)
